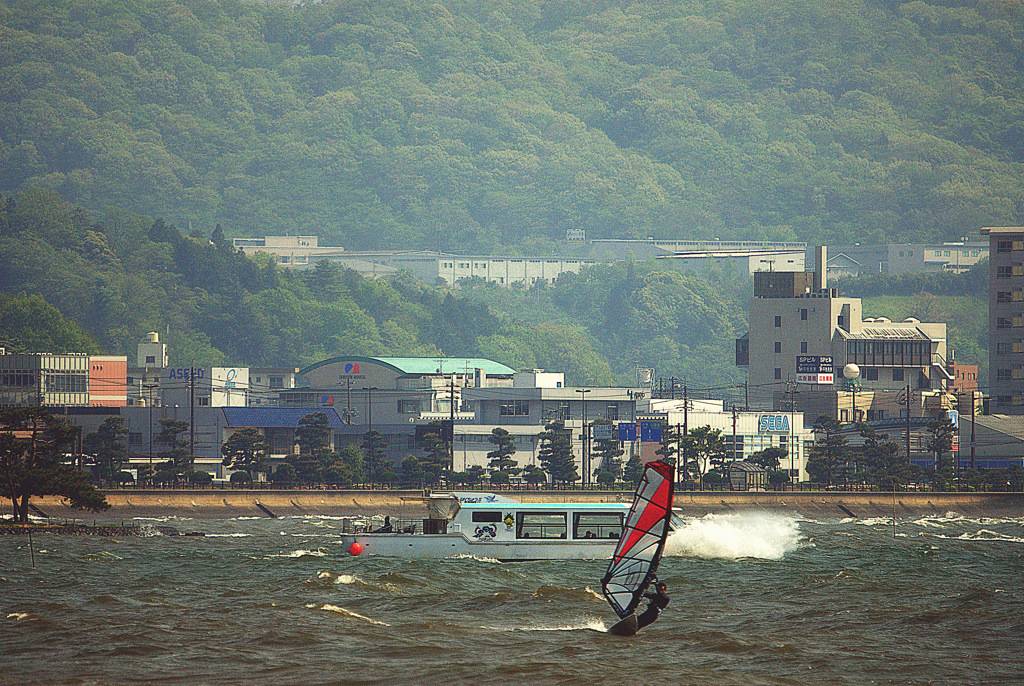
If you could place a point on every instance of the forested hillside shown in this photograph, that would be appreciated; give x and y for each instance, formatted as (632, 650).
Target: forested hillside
(77, 286)
(491, 125)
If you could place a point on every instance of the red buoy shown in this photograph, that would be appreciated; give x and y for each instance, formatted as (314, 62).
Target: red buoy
(355, 548)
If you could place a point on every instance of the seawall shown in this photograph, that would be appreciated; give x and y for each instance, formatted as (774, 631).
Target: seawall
(126, 504)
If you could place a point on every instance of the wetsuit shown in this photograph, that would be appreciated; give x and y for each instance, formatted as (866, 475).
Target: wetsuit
(659, 601)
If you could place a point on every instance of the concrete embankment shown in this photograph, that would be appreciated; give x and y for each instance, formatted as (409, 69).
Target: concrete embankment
(126, 504)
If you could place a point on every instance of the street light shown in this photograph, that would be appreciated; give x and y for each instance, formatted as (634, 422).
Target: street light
(586, 455)
(852, 374)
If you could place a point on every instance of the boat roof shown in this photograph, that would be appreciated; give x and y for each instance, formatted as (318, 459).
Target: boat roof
(511, 504)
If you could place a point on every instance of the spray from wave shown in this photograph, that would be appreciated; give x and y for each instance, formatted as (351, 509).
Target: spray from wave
(733, 536)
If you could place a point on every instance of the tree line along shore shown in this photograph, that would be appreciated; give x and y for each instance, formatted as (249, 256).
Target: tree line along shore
(128, 504)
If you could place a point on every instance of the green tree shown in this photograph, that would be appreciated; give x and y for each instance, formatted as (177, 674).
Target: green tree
(556, 457)
(109, 445)
(246, 450)
(375, 461)
(313, 432)
(633, 471)
(607, 454)
(940, 442)
(500, 459)
(32, 443)
(828, 458)
(534, 475)
(704, 447)
(436, 461)
(882, 463)
(179, 459)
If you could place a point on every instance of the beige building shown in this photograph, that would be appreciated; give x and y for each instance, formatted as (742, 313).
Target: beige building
(1006, 318)
(803, 336)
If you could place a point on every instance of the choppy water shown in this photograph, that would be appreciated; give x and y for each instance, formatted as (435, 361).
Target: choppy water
(756, 599)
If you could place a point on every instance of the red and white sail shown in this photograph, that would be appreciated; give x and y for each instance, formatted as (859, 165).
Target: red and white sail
(638, 553)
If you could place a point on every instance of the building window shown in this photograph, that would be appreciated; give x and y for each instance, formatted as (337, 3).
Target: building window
(1004, 271)
(803, 315)
(1003, 375)
(204, 402)
(1003, 323)
(612, 412)
(277, 382)
(803, 346)
(841, 322)
(1004, 296)
(514, 408)
(1004, 246)
(408, 406)
(1003, 348)
(778, 321)
(897, 375)
(778, 373)
(778, 347)
(150, 359)
(871, 374)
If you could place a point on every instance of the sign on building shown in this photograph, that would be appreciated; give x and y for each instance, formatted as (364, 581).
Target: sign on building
(773, 423)
(601, 432)
(627, 432)
(650, 431)
(815, 369)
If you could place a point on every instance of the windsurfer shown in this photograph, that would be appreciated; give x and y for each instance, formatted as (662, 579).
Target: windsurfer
(659, 601)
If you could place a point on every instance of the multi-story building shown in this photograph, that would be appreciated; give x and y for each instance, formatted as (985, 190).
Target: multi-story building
(1006, 318)
(803, 337)
(865, 260)
(55, 380)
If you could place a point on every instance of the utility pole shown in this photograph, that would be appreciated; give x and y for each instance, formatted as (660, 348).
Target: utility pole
(734, 457)
(972, 428)
(908, 423)
(686, 432)
(192, 413)
(451, 407)
(586, 456)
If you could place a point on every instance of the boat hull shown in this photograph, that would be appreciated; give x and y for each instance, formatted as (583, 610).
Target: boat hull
(457, 545)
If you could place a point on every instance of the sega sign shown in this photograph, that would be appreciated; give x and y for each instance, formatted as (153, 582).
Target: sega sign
(769, 423)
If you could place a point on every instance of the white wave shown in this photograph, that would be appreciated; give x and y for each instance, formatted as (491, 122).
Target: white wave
(588, 624)
(237, 535)
(733, 536)
(302, 553)
(17, 615)
(875, 521)
(467, 556)
(589, 591)
(354, 615)
(339, 578)
(989, 535)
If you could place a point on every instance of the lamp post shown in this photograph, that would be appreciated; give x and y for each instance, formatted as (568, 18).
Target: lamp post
(150, 387)
(852, 374)
(791, 390)
(586, 456)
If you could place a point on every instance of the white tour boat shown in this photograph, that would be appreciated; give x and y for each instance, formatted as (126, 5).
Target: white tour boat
(492, 526)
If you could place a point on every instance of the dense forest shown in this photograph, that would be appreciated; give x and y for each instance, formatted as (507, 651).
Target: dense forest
(493, 125)
(79, 286)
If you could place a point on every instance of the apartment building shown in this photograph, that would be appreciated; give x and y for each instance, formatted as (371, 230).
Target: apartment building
(1006, 318)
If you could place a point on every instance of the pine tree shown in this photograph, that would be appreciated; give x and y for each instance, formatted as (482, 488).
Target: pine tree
(556, 457)
(500, 459)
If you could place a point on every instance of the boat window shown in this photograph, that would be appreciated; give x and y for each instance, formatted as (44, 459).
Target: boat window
(487, 516)
(540, 525)
(597, 525)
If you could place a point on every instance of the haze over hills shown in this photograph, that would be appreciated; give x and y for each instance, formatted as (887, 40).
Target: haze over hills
(491, 125)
